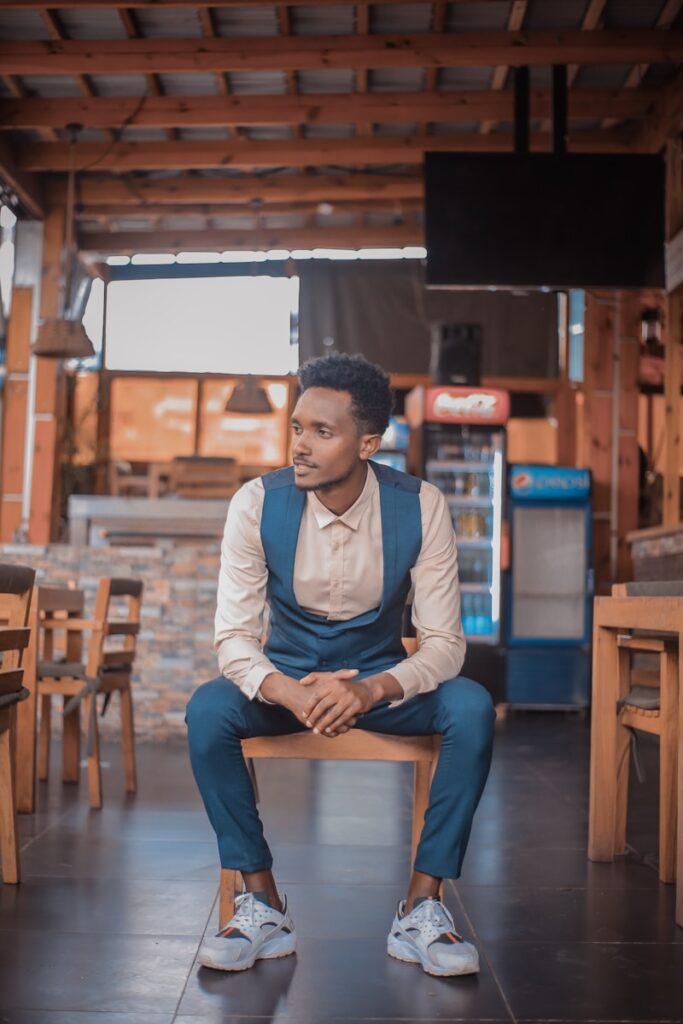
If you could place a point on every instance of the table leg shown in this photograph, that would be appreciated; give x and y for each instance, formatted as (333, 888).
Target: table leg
(602, 814)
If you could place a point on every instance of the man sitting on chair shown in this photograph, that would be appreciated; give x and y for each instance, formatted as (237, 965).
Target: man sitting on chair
(333, 545)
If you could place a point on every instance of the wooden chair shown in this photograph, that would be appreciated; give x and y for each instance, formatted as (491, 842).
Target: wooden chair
(16, 583)
(197, 476)
(355, 745)
(646, 702)
(103, 672)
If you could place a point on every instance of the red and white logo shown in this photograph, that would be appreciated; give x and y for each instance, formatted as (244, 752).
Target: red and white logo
(466, 405)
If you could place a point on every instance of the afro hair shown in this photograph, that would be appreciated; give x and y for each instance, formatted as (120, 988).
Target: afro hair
(371, 396)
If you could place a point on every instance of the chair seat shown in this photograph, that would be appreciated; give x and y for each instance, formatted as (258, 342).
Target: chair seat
(355, 745)
(643, 698)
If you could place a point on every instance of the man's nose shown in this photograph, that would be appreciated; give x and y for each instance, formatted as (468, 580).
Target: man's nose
(301, 444)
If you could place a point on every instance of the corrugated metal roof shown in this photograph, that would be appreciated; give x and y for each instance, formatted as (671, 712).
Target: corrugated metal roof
(195, 84)
(329, 131)
(401, 18)
(246, 21)
(51, 85)
(134, 133)
(91, 23)
(388, 130)
(454, 127)
(629, 14)
(22, 25)
(396, 80)
(554, 14)
(477, 17)
(602, 76)
(257, 83)
(169, 22)
(323, 20)
(270, 131)
(326, 80)
(203, 134)
(464, 78)
(119, 85)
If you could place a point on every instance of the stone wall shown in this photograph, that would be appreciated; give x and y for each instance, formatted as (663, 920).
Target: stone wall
(175, 644)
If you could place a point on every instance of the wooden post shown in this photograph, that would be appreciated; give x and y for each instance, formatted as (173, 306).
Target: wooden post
(672, 351)
(14, 412)
(628, 462)
(565, 401)
(50, 404)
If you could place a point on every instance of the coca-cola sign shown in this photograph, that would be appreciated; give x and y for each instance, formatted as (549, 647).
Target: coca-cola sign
(466, 405)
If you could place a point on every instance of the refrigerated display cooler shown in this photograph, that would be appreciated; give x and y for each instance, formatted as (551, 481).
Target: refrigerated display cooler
(463, 449)
(550, 587)
(394, 447)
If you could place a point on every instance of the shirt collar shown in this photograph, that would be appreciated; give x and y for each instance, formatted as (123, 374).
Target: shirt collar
(353, 515)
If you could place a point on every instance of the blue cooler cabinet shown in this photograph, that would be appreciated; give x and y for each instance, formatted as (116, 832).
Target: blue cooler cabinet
(550, 587)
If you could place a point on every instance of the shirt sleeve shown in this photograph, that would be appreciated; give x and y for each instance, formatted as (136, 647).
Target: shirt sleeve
(241, 599)
(436, 603)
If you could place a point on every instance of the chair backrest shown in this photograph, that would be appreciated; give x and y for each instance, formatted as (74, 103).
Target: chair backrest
(649, 588)
(108, 623)
(16, 585)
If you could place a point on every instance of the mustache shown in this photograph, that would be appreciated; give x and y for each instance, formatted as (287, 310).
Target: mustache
(302, 462)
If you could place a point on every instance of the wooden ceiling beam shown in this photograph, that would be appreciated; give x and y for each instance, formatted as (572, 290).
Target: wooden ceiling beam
(244, 153)
(356, 237)
(666, 120)
(261, 189)
(157, 111)
(451, 49)
(82, 5)
(500, 74)
(156, 210)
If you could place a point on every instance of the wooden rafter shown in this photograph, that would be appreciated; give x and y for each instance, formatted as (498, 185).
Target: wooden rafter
(132, 30)
(456, 49)
(500, 74)
(261, 189)
(8, 5)
(665, 20)
(152, 211)
(393, 236)
(243, 153)
(360, 108)
(54, 28)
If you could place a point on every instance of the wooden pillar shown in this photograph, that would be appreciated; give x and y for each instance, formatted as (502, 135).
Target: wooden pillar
(14, 412)
(610, 439)
(565, 401)
(50, 400)
(672, 350)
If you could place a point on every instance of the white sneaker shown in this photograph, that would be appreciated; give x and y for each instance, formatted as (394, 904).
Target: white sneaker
(256, 931)
(427, 936)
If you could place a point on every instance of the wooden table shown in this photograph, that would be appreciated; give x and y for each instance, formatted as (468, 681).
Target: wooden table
(612, 616)
(57, 604)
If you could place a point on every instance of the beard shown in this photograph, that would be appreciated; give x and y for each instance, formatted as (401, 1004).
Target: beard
(327, 485)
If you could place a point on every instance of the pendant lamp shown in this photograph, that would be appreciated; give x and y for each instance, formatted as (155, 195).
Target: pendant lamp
(249, 397)
(61, 337)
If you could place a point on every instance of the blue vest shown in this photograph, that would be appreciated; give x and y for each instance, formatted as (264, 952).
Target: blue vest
(300, 641)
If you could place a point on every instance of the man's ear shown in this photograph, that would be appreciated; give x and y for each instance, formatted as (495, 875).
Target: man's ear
(369, 444)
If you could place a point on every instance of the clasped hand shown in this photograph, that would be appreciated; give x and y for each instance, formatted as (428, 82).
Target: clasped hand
(334, 703)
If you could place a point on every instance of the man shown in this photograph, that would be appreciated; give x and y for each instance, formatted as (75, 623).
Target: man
(333, 544)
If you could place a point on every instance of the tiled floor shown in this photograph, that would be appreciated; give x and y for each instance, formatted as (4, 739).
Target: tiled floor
(106, 924)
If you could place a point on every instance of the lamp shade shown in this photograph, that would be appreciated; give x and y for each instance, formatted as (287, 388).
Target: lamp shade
(62, 339)
(249, 397)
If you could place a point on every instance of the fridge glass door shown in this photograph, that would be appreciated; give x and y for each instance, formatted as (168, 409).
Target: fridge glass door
(466, 464)
(549, 572)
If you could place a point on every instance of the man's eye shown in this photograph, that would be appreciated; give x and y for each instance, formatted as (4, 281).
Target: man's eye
(325, 433)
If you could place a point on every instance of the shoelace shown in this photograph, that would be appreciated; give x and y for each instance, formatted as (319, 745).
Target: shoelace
(244, 917)
(434, 913)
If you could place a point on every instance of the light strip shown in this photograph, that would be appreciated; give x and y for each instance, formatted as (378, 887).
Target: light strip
(497, 527)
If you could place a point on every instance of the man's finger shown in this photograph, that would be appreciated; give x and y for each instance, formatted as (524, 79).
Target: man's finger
(339, 715)
(322, 706)
(312, 677)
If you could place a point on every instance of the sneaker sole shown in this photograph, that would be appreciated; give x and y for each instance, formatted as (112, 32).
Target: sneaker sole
(276, 952)
(429, 968)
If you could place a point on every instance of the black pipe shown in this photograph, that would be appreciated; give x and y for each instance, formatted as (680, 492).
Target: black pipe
(559, 109)
(521, 80)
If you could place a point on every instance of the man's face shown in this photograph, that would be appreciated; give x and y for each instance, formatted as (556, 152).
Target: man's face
(327, 444)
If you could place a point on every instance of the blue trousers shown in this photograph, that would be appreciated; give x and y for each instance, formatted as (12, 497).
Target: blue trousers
(219, 716)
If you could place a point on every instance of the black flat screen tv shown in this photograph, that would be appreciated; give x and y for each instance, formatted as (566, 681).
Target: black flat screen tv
(539, 220)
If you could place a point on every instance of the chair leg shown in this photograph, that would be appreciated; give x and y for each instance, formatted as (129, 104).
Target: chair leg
(668, 756)
(44, 739)
(602, 807)
(9, 846)
(128, 740)
(422, 779)
(94, 765)
(25, 759)
(622, 759)
(71, 745)
(230, 882)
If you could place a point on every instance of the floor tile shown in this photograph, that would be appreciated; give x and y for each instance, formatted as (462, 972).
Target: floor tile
(502, 913)
(590, 981)
(44, 970)
(127, 906)
(77, 1017)
(63, 853)
(340, 978)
